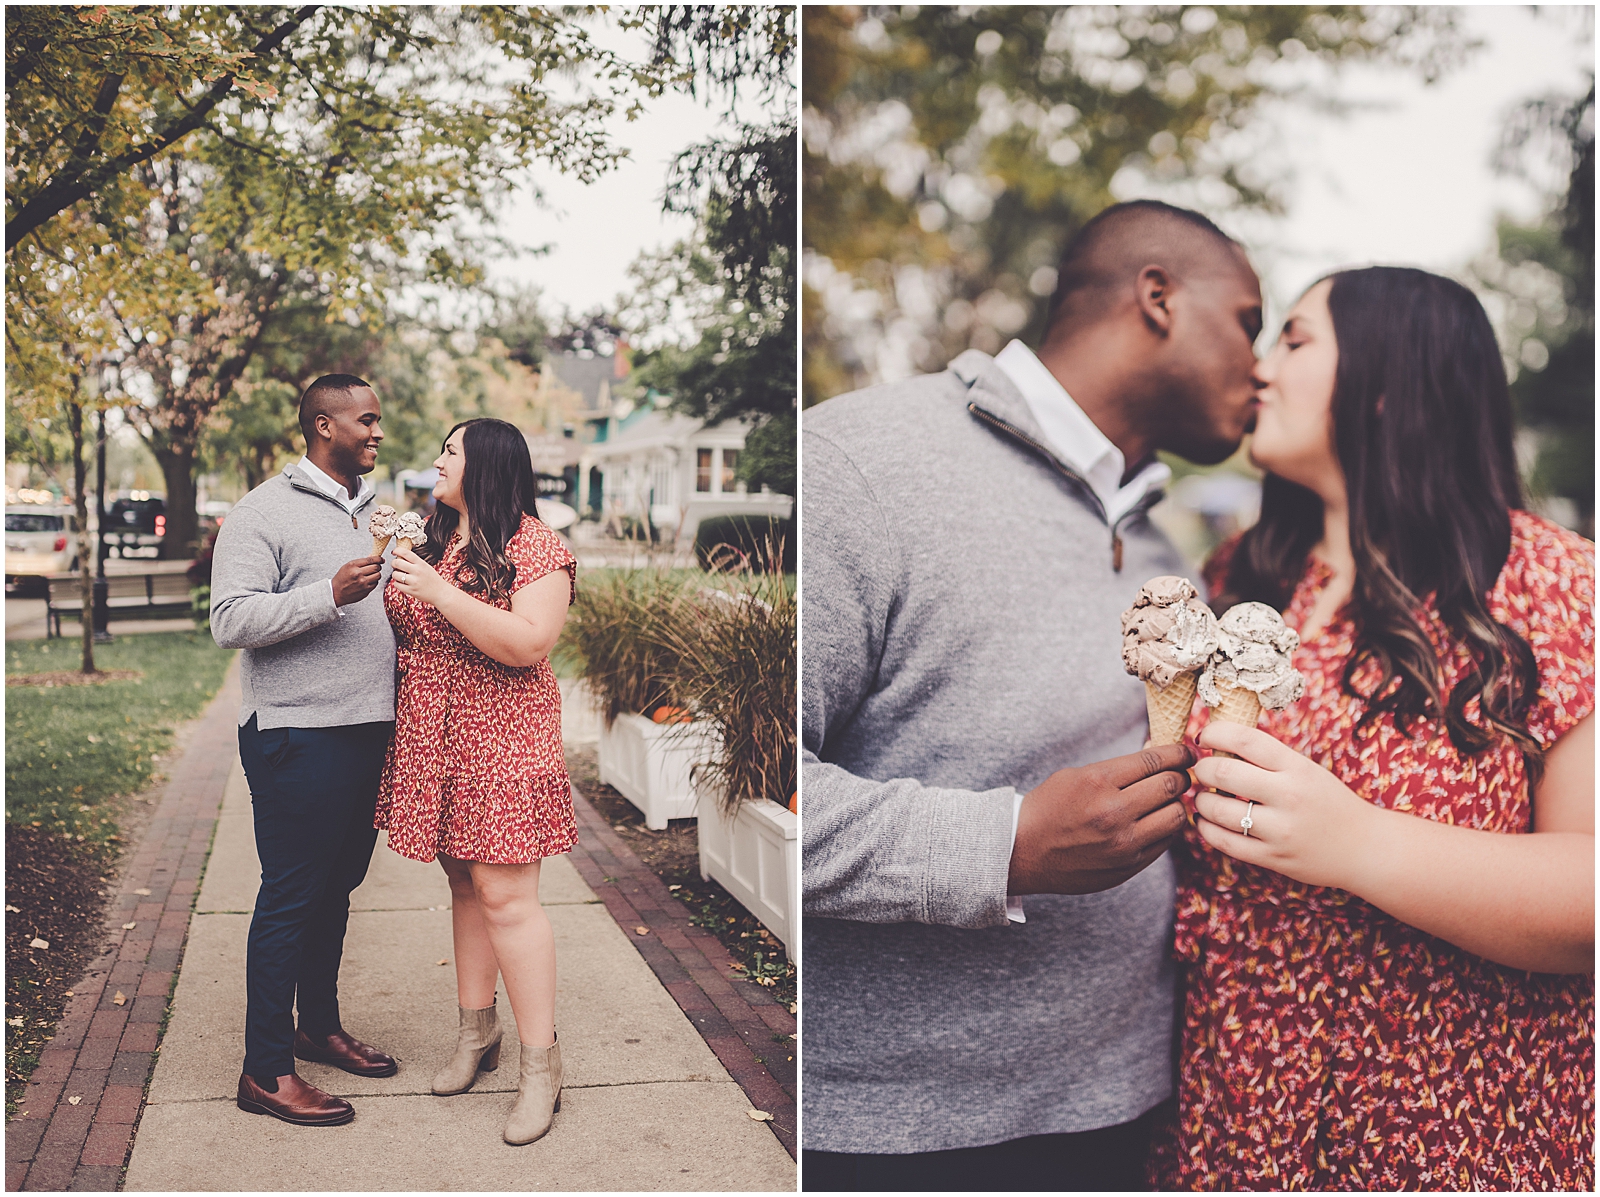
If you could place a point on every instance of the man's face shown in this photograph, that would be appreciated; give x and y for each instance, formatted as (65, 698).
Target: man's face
(353, 431)
(1210, 355)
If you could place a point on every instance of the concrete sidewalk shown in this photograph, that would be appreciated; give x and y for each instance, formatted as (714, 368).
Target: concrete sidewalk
(646, 1105)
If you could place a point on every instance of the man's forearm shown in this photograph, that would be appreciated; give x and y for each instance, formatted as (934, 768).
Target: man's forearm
(261, 618)
(902, 852)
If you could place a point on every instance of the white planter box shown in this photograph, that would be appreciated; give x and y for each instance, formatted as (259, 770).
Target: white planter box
(648, 764)
(756, 857)
(580, 715)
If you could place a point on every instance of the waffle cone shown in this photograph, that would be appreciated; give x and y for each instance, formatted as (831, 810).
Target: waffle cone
(1169, 708)
(403, 545)
(379, 543)
(1239, 706)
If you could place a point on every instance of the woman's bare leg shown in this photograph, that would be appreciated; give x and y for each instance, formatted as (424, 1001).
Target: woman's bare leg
(524, 945)
(476, 968)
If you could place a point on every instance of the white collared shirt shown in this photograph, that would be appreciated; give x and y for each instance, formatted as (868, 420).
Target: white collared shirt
(1074, 436)
(334, 490)
(1079, 443)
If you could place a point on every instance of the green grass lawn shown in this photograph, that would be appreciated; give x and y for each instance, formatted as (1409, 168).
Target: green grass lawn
(71, 748)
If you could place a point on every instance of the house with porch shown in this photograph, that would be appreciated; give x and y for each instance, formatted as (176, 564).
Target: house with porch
(672, 471)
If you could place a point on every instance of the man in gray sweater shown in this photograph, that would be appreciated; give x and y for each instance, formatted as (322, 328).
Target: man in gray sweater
(988, 906)
(294, 584)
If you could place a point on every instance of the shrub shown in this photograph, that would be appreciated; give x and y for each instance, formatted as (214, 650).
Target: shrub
(731, 543)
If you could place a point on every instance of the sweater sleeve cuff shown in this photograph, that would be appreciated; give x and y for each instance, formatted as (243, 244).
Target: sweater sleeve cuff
(337, 610)
(969, 858)
(1014, 911)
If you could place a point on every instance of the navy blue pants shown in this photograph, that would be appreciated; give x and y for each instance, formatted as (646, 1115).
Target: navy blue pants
(313, 790)
(1108, 1160)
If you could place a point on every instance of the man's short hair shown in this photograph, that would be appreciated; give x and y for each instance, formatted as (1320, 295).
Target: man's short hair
(1106, 254)
(322, 397)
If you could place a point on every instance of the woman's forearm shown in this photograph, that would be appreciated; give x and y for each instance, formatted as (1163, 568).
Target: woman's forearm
(1522, 901)
(502, 635)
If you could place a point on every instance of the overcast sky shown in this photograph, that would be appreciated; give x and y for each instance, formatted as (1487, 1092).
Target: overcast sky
(595, 231)
(1411, 182)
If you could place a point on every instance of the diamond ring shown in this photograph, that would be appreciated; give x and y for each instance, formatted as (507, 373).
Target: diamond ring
(1246, 823)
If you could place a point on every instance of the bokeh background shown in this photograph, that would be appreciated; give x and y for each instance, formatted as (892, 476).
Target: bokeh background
(949, 153)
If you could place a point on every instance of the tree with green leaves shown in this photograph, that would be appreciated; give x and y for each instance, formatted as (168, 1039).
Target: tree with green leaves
(234, 165)
(950, 152)
(1539, 284)
(736, 278)
(55, 380)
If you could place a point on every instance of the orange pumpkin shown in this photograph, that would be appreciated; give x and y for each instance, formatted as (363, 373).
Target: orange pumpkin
(794, 802)
(670, 715)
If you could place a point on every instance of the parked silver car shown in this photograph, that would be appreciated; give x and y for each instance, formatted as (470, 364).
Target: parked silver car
(40, 540)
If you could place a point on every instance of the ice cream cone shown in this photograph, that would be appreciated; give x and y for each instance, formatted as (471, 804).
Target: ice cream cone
(408, 531)
(1239, 706)
(379, 543)
(1169, 708)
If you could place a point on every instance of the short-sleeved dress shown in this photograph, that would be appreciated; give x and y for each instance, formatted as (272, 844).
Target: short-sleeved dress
(475, 770)
(1326, 1045)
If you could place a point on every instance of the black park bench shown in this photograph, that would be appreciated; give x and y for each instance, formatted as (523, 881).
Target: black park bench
(152, 595)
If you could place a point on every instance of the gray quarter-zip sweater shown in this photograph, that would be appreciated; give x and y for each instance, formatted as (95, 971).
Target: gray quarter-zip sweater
(960, 634)
(306, 663)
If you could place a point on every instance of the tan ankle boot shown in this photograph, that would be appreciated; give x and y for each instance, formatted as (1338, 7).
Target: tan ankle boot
(538, 1094)
(477, 1048)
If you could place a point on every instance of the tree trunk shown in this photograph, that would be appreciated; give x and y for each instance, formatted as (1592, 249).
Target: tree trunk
(177, 467)
(80, 488)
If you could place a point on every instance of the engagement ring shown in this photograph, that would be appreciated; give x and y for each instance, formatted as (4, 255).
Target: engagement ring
(1246, 823)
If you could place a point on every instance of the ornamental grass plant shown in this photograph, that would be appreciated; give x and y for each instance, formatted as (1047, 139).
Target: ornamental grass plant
(737, 670)
(617, 638)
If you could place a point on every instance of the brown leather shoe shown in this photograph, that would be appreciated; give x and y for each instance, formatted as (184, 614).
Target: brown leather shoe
(342, 1051)
(295, 1101)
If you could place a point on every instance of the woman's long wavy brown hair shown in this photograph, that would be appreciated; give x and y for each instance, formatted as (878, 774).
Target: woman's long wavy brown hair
(1422, 427)
(498, 487)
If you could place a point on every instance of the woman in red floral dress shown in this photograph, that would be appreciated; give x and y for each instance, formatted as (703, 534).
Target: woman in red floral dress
(475, 774)
(1390, 972)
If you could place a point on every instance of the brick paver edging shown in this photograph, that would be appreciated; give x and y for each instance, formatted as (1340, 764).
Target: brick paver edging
(736, 1018)
(77, 1119)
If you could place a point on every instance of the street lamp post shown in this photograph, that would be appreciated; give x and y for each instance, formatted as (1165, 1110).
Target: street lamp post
(102, 603)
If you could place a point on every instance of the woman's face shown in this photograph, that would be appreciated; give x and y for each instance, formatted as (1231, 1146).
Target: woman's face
(451, 464)
(1294, 427)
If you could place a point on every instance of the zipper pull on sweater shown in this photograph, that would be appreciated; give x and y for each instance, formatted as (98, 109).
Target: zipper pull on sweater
(1116, 552)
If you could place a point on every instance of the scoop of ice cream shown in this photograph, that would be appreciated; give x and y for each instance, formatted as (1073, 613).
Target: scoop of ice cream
(1167, 631)
(1255, 651)
(383, 520)
(409, 527)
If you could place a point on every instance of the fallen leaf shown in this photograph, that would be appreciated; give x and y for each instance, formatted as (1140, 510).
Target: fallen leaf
(72, 1101)
(641, 930)
(15, 1022)
(40, 943)
(444, 962)
(794, 1007)
(129, 926)
(14, 909)
(69, 993)
(674, 887)
(759, 1115)
(120, 1000)
(145, 892)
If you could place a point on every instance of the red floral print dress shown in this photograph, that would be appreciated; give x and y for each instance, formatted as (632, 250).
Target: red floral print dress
(1326, 1045)
(475, 769)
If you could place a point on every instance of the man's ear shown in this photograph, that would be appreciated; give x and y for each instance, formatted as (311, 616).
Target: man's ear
(323, 425)
(1153, 293)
